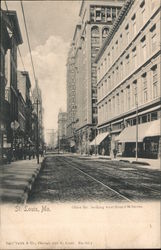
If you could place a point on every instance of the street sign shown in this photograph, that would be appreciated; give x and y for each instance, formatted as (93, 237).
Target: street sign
(15, 125)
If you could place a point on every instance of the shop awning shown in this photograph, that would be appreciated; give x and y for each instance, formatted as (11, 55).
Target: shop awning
(148, 129)
(99, 138)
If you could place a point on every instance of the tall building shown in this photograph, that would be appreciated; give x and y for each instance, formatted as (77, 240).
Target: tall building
(128, 82)
(9, 42)
(37, 100)
(71, 93)
(62, 124)
(96, 19)
(51, 138)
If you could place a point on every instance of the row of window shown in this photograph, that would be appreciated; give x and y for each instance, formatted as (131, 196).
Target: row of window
(103, 14)
(95, 35)
(141, 119)
(136, 93)
(106, 86)
(132, 59)
(123, 39)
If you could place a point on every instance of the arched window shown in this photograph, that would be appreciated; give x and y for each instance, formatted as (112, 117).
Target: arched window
(105, 32)
(94, 30)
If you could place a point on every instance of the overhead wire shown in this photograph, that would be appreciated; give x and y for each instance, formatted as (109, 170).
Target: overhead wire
(28, 40)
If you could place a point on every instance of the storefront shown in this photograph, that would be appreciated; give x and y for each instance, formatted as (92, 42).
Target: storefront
(148, 139)
(101, 144)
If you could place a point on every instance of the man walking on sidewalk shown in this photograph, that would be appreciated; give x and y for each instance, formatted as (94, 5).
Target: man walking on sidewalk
(9, 155)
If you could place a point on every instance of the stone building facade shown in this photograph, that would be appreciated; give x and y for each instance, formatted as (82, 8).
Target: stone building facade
(9, 42)
(96, 18)
(62, 125)
(71, 93)
(128, 81)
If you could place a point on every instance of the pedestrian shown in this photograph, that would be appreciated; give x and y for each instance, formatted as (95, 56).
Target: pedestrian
(114, 152)
(33, 153)
(24, 153)
(9, 155)
(30, 154)
(41, 152)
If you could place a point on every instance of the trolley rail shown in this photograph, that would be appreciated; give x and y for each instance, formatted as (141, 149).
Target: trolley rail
(112, 176)
(100, 182)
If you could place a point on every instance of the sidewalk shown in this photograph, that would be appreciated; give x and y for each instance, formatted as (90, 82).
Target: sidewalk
(154, 164)
(17, 179)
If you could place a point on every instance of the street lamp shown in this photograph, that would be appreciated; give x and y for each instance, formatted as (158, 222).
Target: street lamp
(2, 130)
(136, 130)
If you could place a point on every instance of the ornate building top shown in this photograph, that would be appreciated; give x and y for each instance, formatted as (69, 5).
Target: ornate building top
(37, 92)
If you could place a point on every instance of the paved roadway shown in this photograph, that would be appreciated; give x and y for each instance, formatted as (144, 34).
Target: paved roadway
(66, 178)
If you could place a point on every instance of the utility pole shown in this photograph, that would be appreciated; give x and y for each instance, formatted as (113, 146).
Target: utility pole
(96, 148)
(136, 130)
(37, 130)
(58, 143)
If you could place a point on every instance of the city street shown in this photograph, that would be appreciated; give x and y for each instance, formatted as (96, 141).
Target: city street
(66, 178)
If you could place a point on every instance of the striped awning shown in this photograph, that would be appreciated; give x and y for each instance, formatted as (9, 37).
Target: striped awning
(148, 129)
(99, 138)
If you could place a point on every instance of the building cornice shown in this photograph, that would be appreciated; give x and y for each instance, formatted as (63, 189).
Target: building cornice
(125, 9)
(13, 24)
(81, 8)
(78, 26)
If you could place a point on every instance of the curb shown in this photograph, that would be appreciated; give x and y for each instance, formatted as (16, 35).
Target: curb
(141, 163)
(20, 195)
(30, 185)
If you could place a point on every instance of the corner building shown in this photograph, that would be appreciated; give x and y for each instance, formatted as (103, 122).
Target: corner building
(96, 19)
(128, 83)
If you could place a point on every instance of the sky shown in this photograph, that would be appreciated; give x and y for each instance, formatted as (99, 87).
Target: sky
(51, 26)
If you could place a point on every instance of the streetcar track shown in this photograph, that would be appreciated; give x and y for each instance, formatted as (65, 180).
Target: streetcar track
(135, 173)
(111, 189)
(132, 183)
(143, 185)
(110, 185)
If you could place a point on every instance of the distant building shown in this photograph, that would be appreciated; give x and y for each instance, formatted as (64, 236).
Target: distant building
(96, 19)
(24, 87)
(21, 136)
(62, 124)
(37, 99)
(128, 81)
(51, 138)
